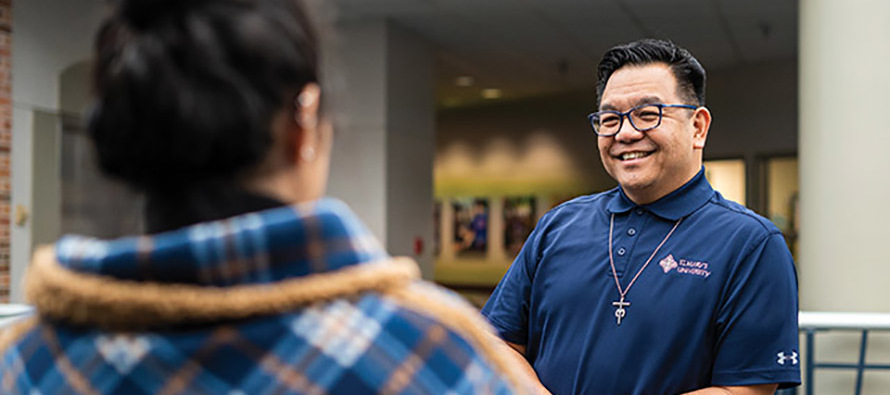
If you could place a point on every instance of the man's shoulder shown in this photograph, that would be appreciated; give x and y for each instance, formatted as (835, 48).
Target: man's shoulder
(739, 216)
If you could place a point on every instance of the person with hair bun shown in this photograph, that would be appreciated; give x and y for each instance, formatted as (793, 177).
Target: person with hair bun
(247, 280)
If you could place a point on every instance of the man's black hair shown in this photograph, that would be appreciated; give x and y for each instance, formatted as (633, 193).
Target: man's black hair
(687, 70)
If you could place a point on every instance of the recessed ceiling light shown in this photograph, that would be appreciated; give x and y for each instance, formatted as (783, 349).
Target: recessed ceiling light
(491, 93)
(464, 81)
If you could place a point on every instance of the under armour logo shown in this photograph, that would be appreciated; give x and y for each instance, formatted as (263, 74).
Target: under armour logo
(785, 358)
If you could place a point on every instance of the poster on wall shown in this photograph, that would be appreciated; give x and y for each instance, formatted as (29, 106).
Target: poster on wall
(470, 226)
(519, 220)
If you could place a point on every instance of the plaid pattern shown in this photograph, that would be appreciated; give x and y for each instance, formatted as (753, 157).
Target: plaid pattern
(255, 248)
(357, 345)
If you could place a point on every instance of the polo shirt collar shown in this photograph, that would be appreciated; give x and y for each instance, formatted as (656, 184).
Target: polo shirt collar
(673, 206)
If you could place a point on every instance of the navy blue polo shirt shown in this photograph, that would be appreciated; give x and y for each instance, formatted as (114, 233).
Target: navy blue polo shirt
(716, 306)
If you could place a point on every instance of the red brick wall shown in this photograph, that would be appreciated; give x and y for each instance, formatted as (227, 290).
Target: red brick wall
(5, 142)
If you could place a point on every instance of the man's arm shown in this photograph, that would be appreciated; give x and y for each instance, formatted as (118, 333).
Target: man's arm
(518, 353)
(762, 389)
(758, 320)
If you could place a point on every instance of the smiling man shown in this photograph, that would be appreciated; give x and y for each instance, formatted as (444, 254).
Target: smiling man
(659, 286)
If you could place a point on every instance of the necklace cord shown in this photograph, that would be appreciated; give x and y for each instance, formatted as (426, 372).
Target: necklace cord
(623, 292)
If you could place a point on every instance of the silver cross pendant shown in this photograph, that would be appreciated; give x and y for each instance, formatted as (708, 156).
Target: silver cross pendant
(620, 312)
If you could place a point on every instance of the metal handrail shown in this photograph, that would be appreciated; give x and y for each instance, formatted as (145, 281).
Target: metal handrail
(10, 313)
(811, 322)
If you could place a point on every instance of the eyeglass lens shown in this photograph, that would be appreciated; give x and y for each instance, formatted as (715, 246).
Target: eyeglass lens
(641, 118)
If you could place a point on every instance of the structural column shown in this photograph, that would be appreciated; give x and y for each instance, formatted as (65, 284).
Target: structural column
(844, 134)
(382, 86)
(844, 167)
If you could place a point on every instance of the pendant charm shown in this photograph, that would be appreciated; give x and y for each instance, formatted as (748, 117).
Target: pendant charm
(620, 312)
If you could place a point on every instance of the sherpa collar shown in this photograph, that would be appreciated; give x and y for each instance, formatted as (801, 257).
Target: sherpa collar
(62, 294)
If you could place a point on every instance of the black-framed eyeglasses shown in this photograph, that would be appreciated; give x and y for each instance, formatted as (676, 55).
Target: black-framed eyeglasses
(643, 118)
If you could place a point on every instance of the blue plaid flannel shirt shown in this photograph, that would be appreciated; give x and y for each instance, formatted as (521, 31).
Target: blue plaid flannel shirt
(360, 344)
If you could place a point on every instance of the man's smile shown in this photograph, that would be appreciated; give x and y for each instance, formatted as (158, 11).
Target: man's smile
(630, 155)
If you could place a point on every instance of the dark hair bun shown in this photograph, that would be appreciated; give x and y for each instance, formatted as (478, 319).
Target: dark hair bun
(182, 95)
(142, 13)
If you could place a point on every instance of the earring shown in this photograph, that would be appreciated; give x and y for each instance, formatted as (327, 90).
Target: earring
(305, 99)
(307, 153)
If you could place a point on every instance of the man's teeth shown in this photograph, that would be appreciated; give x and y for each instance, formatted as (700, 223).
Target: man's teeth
(633, 155)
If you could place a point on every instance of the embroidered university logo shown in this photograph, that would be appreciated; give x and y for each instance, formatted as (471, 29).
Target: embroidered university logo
(668, 263)
(787, 358)
(685, 266)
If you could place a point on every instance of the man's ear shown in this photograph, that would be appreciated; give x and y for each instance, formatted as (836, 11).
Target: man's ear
(701, 123)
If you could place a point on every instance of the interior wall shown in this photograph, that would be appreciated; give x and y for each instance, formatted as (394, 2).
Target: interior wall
(358, 85)
(755, 110)
(74, 88)
(44, 47)
(50, 35)
(518, 148)
(411, 98)
(91, 203)
(382, 78)
(47, 190)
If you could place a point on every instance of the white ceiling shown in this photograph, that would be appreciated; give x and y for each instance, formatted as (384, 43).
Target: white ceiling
(536, 47)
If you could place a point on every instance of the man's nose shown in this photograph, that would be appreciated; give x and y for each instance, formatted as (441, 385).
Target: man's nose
(627, 133)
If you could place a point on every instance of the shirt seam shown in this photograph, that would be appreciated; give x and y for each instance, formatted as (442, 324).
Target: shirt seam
(761, 240)
(775, 369)
(757, 218)
(755, 376)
